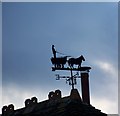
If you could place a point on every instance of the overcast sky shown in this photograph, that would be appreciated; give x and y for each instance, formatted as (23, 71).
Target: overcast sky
(29, 30)
(60, 0)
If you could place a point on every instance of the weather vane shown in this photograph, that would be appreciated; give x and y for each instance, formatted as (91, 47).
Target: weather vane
(71, 64)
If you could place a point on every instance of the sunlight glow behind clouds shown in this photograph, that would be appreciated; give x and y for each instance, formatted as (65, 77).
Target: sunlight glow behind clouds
(107, 67)
(16, 95)
(109, 70)
(0, 99)
(0, 54)
(105, 105)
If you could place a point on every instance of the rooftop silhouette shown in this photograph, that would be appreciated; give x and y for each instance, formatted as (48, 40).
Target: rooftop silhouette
(55, 105)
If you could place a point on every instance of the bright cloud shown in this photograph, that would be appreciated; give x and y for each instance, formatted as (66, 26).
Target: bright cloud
(108, 102)
(0, 90)
(0, 98)
(105, 105)
(107, 68)
(16, 95)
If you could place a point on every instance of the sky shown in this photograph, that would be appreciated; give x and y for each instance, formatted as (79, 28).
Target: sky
(0, 54)
(60, 0)
(30, 29)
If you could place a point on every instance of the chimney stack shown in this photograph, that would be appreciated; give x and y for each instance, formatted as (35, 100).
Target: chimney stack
(85, 87)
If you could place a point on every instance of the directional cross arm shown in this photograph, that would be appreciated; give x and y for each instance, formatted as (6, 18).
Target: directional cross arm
(73, 69)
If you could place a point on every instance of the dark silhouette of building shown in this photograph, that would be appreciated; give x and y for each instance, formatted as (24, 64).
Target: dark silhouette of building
(56, 105)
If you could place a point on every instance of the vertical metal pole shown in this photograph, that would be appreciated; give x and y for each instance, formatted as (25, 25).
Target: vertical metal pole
(85, 87)
(72, 79)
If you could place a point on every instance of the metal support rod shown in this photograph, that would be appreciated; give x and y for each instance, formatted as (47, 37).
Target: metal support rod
(72, 79)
